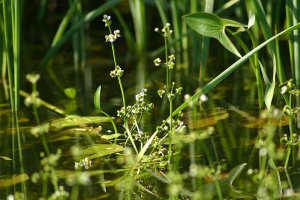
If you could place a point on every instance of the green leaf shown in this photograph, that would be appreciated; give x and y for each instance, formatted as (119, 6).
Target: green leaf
(74, 120)
(70, 92)
(251, 20)
(100, 150)
(5, 158)
(211, 25)
(213, 83)
(13, 180)
(97, 99)
(235, 172)
(269, 94)
(264, 74)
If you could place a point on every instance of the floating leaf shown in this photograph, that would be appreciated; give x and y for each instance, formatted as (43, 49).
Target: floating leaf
(15, 179)
(100, 150)
(5, 158)
(70, 92)
(75, 120)
(97, 99)
(208, 121)
(211, 25)
(111, 136)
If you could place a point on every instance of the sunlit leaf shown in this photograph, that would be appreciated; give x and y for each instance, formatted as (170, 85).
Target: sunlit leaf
(100, 150)
(75, 120)
(70, 92)
(13, 180)
(5, 158)
(235, 172)
(251, 20)
(111, 136)
(269, 94)
(97, 100)
(211, 25)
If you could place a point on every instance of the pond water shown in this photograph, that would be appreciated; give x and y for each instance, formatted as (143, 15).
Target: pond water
(221, 147)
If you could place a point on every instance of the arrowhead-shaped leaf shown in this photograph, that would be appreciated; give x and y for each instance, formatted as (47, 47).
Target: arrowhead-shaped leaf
(211, 25)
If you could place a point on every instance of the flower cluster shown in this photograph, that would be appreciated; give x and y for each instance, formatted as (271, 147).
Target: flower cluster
(117, 72)
(86, 163)
(59, 194)
(165, 31)
(172, 93)
(177, 124)
(40, 130)
(107, 20)
(33, 99)
(112, 37)
(140, 97)
(138, 108)
(81, 178)
(292, 141)
(171, 63)
(51, 161)
(33, 78)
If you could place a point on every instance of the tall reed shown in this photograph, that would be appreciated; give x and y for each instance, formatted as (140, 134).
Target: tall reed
(11, 15)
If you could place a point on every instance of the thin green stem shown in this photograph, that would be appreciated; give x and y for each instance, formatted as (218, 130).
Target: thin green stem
(170, 133)
(37, 119)
(167, 68)
(111, 120)
(127, 130)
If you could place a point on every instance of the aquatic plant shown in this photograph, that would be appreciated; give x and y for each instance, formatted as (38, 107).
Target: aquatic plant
(201, 148)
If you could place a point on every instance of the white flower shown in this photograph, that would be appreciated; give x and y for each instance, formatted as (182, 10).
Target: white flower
(106, 20)
(203, 98)
(117, 33)
(157, 61)
(283, 89)
(33, 78)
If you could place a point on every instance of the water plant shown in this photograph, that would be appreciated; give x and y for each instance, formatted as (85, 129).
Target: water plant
(209, 146)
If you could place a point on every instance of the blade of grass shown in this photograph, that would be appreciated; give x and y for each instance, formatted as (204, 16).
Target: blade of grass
(16, 48)
(257, 7)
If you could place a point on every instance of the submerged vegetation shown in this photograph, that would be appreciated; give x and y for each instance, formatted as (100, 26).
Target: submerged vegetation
(147, 112)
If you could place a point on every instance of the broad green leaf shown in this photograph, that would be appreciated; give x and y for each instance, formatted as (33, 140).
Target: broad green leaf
(211, 25)
(97, 99)
(70, 92)
(100, 150)
(15, 179)
(74, 120)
